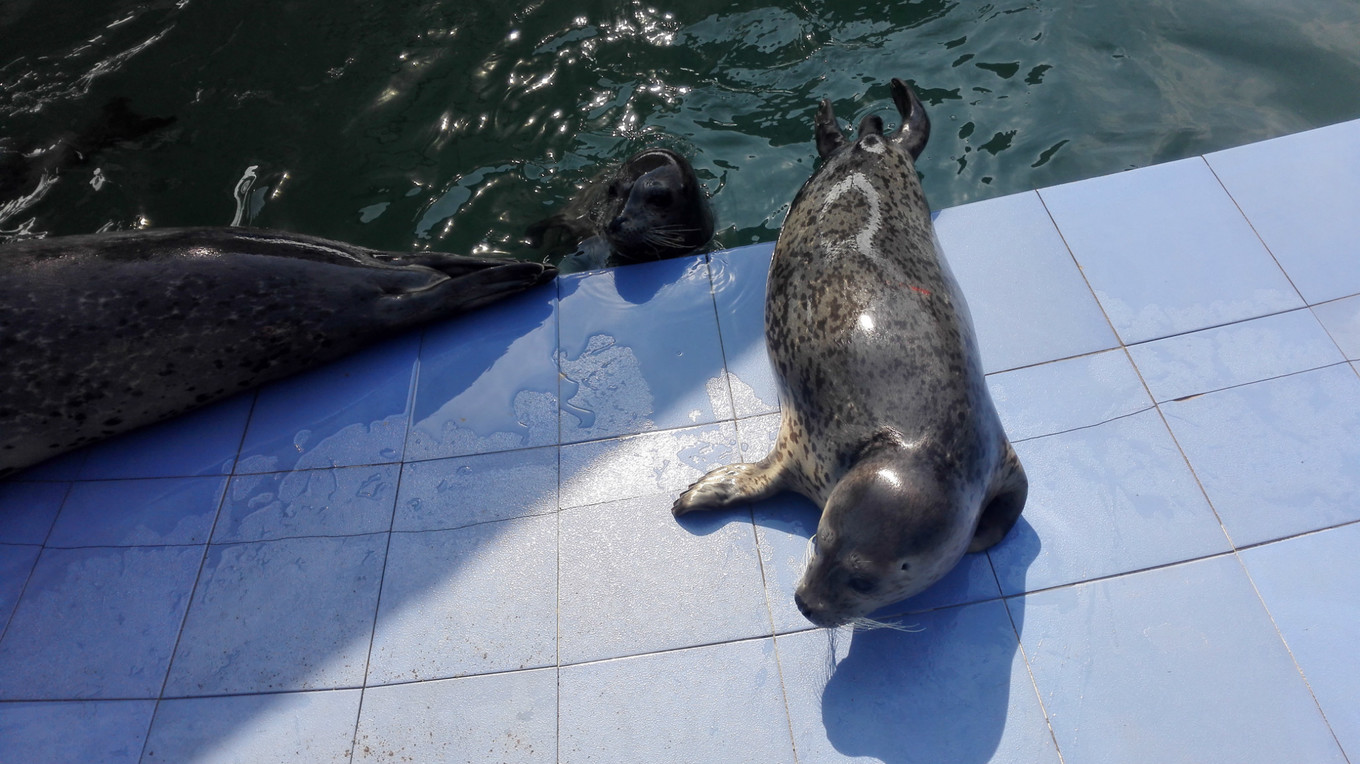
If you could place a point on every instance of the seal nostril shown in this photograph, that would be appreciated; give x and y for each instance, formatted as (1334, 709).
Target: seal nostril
(802, 606)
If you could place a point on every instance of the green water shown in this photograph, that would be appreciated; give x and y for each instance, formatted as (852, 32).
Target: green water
(452, 124)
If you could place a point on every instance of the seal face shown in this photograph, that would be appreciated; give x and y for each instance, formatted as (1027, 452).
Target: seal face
(105, 333)
(886, 421)
(650, 208)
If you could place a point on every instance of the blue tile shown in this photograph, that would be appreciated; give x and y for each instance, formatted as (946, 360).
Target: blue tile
(1029, 301)
(634, 579)
(28, 510)
(353, 411)
(756, 436)
(1276, 457)
(203, 442)
(1300, 193)
(1235, 354)
(1174, 664)
(77, 732)
(662, 462)
(784, 524)
(488, 380)
(284, 727)
(1065, 395)
(739, 278)
(293, 614)
(468, 601)
(1308, 585)
(97, 623)
(1104, 500)
(343, 501)
(150, 512)
(453, 493)
(1166, 251)
(1342, 320)
(509, 718)
(720, 703)
(955, 689)
(16, 564)
(640, 350)
(64, 467)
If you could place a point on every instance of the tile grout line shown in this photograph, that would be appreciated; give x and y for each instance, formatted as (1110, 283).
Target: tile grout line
(1029, 668)
(42, 550)
(557, 642)
(1254, 232)
(198, 577)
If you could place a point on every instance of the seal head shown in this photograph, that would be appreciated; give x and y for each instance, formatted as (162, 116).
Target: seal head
(650, 208)
(886, 421)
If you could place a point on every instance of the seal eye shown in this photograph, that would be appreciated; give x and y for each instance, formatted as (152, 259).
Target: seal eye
(657, 196)
(861, 584)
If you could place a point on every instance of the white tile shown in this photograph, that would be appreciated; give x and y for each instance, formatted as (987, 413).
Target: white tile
(1166, 250)
(74, 732)
(292, 614)
(1174, 664)
(279, 728)
(1105, 500)
(661, 462)
(453, 493)
(1029, 301)
(468, 601)
(1342, 321)
(325, 502)
(635, 579)
(1235, 354)
(1276, 457)
(720, 703)
(504, 718)
(97, 623)
(1301, 193)
(1065, 395)
(954, 689)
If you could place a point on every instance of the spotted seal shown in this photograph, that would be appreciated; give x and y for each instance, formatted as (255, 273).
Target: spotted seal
(108, 332)
(651, 207)
(887, 423)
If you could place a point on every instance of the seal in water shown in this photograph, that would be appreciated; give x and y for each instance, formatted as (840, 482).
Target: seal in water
(887, 423)
(108, 332)
(650, 208)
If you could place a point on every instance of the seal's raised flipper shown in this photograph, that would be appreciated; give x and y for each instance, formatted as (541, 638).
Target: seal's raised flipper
(915, 129)
(732, 484)
(1007, 500)
(829, 136)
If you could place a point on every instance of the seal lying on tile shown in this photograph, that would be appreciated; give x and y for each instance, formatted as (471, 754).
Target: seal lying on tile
(650, 208)
(887, 423)
(105, 333)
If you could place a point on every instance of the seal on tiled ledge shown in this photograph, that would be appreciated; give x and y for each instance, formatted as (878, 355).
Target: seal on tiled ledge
(108, 332)
(651, 207)
(887, 423)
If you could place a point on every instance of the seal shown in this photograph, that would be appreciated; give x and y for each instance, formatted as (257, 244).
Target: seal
(108, 332)
(886, 421)
(652, 207)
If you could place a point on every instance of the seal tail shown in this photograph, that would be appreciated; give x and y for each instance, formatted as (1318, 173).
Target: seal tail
(829, 137)
(915, 129)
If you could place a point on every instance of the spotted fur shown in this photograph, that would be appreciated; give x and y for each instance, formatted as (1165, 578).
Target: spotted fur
(101, 334)
(887, 423)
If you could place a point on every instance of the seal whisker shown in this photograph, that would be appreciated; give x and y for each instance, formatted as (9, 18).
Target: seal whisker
(864, 623)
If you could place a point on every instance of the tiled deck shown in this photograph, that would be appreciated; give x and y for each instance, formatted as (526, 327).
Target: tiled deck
(456, 546)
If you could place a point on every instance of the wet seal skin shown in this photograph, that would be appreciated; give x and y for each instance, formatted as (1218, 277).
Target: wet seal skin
(104, 333)
(651, 207)
(887, 423)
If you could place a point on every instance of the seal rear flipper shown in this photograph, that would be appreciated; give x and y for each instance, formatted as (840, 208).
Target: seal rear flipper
(829, 136)
(915, 128)
(732, 484)
(1000, 514)
(459, 294)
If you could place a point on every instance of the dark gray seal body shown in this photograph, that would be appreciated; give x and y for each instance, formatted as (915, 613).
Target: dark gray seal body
(652, 207)
(108, 332)
(887, 423)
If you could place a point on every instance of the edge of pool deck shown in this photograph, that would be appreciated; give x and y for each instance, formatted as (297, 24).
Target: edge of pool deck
(456, 546)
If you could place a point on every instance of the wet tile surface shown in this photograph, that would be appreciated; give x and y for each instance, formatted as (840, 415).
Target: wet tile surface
(457, 545)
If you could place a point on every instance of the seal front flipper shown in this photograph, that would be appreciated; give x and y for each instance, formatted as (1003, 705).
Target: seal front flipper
(476, 288)
(732, 484)
(1003, 508)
